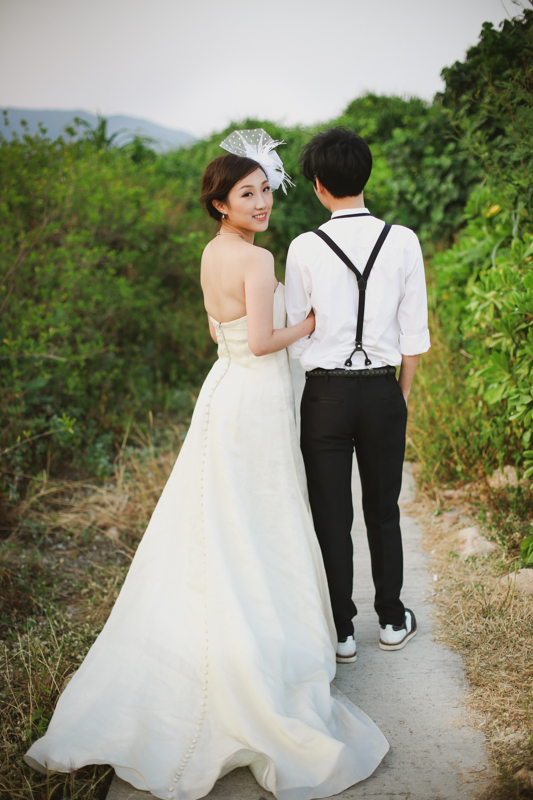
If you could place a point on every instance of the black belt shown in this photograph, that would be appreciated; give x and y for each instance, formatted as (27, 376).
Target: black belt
(351, 373)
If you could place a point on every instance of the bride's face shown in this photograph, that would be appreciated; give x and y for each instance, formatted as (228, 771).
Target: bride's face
(249, 203)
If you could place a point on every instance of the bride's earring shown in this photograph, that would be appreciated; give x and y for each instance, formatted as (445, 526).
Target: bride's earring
(223, 216)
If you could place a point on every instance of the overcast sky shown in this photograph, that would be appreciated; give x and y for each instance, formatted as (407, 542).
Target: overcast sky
(198, 65)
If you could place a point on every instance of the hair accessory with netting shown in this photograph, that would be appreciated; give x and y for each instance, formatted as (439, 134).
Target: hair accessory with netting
(259, 146)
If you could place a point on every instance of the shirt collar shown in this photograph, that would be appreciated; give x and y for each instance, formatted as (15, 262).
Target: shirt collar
(358, 211)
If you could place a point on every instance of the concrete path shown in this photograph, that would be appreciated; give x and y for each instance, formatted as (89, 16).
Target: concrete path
(414, 695)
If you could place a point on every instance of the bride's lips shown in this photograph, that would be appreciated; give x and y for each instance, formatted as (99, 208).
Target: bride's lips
(260, 217)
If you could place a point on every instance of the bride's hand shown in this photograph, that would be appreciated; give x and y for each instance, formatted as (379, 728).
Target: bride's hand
(309, 323)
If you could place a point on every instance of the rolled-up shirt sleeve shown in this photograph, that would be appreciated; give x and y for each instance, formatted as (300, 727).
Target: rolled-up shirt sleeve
(413, 308)
(297, 300)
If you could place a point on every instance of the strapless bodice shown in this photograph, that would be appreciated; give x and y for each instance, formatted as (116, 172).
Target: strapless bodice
(232, 336)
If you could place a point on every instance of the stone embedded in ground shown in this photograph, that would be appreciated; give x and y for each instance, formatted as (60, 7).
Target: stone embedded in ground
(523, 582)
(112, 533)
(525, 776)
(454, 516)
(503, 478)
(472, 543)
(453, 493)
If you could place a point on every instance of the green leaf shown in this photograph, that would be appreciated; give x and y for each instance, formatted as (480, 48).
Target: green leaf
(526, 549)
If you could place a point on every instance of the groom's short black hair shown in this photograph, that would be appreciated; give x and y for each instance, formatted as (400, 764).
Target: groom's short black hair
(341, 161)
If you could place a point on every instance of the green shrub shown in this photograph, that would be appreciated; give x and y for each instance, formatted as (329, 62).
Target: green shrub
(484, 283)
(422, 173)
(102, 314)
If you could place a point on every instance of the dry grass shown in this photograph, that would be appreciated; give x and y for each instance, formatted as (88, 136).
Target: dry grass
(489, 624)
(60, 572)
(118, 509)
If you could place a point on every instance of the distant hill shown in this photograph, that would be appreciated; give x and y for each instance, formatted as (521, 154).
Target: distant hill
(55, 122)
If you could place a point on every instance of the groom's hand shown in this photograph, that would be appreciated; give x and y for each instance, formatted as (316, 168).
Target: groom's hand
(407, 373)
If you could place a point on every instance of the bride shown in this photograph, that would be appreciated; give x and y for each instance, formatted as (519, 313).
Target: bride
(220, 649)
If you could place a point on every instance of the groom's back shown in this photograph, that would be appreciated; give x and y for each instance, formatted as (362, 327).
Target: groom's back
(395, 304)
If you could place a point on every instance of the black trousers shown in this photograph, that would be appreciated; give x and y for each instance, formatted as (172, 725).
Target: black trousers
(368, 414)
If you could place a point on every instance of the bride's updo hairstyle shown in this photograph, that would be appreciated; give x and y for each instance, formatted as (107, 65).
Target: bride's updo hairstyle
(220, 177)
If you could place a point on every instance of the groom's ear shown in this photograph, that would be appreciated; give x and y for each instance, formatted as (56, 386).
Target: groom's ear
(323, 195)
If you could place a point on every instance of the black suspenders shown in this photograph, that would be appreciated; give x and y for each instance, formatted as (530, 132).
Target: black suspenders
(361, 283)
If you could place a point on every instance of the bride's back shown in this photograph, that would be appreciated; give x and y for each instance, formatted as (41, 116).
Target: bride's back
(222, 277)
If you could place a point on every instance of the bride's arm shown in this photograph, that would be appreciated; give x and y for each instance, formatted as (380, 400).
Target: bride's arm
(259, 283)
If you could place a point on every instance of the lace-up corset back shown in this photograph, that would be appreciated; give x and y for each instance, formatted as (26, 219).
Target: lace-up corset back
(232, 336)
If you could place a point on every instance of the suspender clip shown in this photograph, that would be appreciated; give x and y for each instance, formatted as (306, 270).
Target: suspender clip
(358, 349)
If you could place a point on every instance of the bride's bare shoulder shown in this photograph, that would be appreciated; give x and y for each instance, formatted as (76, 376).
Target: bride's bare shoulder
(257, 257)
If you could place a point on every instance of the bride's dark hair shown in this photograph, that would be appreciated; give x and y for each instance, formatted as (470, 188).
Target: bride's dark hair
(220, 177)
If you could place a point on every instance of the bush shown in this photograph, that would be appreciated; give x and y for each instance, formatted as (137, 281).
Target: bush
(422, 173)
(102, 313)
(484, 283)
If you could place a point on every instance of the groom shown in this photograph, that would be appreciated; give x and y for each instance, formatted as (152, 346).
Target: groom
(365, 282)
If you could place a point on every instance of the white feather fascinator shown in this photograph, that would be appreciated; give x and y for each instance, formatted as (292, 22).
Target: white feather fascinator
(259, 146)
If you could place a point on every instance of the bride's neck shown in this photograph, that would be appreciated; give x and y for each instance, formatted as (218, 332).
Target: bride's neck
(228, 228)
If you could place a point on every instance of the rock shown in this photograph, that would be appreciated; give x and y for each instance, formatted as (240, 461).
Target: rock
(113, 533)
(522, 583)
(515, 737)
(525, 776)
(472, 543)
(453, 493)
(453, 516)
(502, 479)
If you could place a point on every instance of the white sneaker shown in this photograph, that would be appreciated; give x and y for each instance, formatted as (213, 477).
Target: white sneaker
(346, 650)
(392, 637)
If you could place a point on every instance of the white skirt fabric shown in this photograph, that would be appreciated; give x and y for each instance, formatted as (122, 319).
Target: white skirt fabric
(219, 651)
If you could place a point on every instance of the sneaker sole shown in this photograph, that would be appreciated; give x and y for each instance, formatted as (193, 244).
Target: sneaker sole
(398, 645)
(346, 659)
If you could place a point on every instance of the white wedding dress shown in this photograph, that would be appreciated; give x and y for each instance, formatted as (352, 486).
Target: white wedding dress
(219, 651)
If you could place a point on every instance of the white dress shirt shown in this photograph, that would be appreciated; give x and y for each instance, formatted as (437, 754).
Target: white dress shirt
(396, 316)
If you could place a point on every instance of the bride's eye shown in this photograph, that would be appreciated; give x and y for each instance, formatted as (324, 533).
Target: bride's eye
(266, 189)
